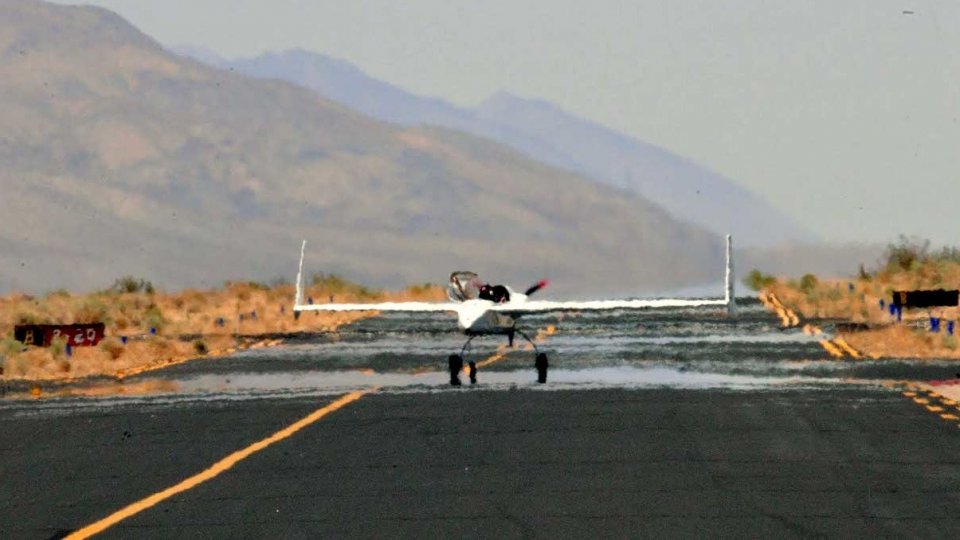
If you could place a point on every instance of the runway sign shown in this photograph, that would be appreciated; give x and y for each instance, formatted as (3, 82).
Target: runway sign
(922, 299)
(42, 335)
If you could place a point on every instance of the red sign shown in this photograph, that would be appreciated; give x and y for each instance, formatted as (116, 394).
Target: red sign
(42, 335)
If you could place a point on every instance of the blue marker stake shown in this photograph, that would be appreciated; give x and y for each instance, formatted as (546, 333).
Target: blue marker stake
(950, 328)
(881, 304)
(123, 340)
(899, 313)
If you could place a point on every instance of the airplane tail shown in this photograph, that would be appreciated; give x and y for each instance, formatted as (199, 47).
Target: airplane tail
(536, 287)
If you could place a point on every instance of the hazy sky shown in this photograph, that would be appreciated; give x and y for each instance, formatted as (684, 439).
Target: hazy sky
(845, 115)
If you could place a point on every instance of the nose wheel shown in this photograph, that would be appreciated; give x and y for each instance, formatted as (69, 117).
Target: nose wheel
(455, 364)
(542, 364)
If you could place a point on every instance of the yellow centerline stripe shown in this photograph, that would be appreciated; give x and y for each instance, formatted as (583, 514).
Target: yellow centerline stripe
(217, 468)
(495, 357)
(842, 343)
(831, 348)
(501, 353)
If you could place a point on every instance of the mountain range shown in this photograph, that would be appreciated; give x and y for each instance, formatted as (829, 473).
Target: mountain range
(544, 132)
(119, 157)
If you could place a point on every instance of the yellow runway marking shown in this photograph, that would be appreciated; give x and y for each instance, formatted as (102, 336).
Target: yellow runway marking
(840, 342)
(934, 408)
(501, 353)
(920, 400)
(495, 357)
(831, 348)
(909, 394)
(948, 402)
(950, 417)
(217, 468)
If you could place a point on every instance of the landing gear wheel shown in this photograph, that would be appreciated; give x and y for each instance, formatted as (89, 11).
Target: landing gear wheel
(455, 363)
(542, 364)
(473, 372)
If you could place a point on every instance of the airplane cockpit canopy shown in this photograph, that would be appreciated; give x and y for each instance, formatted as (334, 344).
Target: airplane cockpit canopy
(464, 285)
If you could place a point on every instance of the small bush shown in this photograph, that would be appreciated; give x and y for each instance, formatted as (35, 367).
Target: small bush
(58, 293)
(808, 282)
(200, 347)
(130, 284)
(332, 284)
(907, 253)
(91, 310)
(154, 317)
(10, 346)
(113, 347)
(27, 317)
(58, 347)
(757, 280)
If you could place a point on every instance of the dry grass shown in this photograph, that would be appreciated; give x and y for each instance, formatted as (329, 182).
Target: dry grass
(858, 300)
(900, 341)
(188, 324)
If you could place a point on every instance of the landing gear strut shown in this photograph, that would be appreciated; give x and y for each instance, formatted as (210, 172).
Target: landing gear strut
(455, 361)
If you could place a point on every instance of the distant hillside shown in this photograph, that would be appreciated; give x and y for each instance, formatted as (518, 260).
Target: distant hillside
(121, 158)
(546, 133)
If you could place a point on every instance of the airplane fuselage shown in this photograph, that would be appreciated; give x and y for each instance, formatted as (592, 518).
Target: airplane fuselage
(475, 316)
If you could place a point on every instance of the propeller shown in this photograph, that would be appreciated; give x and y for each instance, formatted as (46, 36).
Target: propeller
(536, 287)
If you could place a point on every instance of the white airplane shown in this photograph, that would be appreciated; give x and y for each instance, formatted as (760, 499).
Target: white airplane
(484, 310)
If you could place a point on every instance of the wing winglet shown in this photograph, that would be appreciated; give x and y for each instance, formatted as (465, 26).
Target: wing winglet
(299, 297)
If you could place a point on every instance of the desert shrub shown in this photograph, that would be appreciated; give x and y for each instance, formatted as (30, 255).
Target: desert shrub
(335, 284)
(808, 282)
(243, 289)
(948, 254)
(200, 346)
(10, 346)
(122, 323)
(130, 284)
(58, 347)
(27, 317)
(757, 280)
(863, 275)
(58, 293)
(113, 347)
(907, 253)
(91, 310)
(154, 317)
(833, 294)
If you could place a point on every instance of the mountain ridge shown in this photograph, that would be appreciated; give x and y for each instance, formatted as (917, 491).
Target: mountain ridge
(122, 158)
(547, 133)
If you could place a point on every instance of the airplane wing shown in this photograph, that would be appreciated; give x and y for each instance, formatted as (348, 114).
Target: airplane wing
(382, 306)
(546, 306)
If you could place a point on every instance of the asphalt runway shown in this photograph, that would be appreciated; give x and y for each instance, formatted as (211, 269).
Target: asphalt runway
(730, 429)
